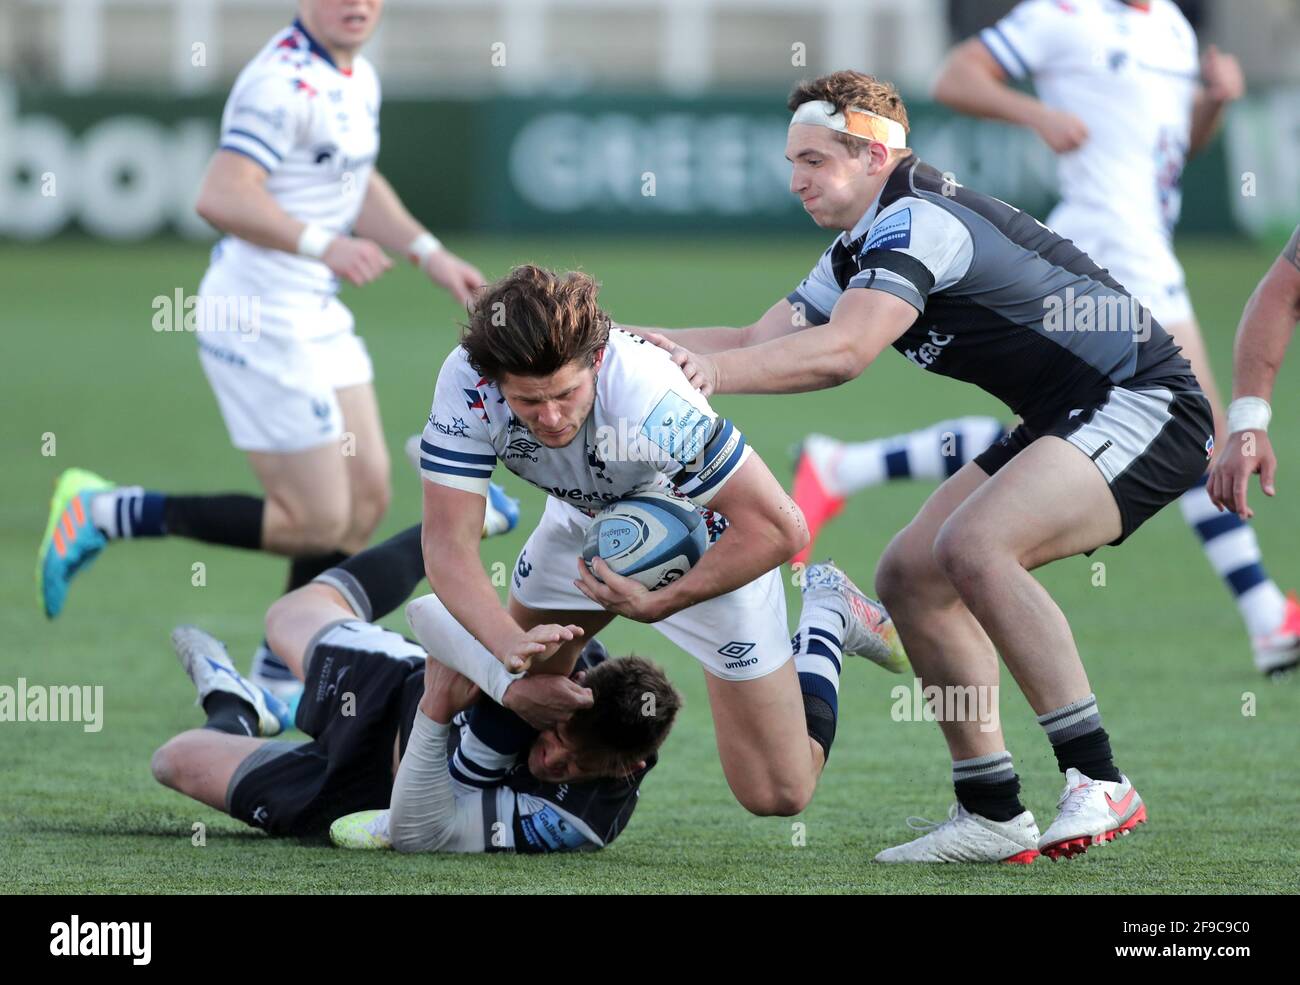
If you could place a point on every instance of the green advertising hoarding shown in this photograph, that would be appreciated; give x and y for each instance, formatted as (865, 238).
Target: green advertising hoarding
(126, 166)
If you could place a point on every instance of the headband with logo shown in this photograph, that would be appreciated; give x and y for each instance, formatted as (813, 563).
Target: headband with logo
(854, 120)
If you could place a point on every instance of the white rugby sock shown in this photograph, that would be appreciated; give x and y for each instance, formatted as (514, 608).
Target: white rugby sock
(1232, 549)
(933, 453)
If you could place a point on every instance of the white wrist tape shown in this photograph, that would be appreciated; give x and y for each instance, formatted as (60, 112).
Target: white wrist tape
(314, 241)
(452, 645)
(423, 245)
(1249, 414)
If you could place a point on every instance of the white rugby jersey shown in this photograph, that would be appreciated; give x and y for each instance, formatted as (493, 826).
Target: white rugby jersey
(1131, 76)
(648, 428)
(315, 129)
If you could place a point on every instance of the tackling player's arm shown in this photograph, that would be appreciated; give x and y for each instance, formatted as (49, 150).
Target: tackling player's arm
(863, 323)
(386, 220)
(1267, 324)
(780, 319)
(234, 199)
(1222, 82)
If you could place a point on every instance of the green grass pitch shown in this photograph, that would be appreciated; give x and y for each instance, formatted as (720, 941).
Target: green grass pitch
(80, 812)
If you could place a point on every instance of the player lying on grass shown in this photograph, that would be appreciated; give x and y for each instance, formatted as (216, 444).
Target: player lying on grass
(1115, 428)
(1267, 324)
(590, 416)
(487, 781)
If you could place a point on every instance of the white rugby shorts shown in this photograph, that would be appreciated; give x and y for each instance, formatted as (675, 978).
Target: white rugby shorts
(276, 379)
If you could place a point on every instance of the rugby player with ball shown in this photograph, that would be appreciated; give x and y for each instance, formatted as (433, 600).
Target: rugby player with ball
(594, 416)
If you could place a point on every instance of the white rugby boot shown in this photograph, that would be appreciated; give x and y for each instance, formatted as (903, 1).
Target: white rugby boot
(868, 630)
(210, 668)
(1091, 812)
(967, 837)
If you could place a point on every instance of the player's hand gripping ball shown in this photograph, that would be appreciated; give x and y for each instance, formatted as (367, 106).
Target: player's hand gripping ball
(651, 537)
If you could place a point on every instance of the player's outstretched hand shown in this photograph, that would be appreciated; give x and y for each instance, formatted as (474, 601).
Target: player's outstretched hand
(357, 261)
(546, 700)
(539, 643)
(1247, 452)
(624, 596)
(700, 370)
(446, 692)
(1222, 76)
(460, 279)
(1061, 131)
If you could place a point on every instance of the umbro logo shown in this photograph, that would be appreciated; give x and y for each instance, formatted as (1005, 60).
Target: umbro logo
(735, 649)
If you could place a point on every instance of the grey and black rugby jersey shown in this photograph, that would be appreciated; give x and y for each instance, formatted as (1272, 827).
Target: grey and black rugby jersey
(1004, 302)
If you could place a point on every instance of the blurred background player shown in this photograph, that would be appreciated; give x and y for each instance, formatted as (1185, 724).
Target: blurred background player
(293, 186)
(569, 783)
(1121, 101)
(1267, 324)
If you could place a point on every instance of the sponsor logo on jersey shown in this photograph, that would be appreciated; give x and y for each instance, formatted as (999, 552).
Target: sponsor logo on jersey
(926, 354)
(522, 447)
(456, 429)
(523, 569)
(678, 427)
(891, 233)
(547, 829)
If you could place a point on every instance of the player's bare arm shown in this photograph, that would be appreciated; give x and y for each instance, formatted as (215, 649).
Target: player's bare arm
(780, 319)
(863, 323)
(386, 220)
(971, 81)
(452, 528)
(1222, 83)
(1267, 324)
(234, 199)
(765, 529)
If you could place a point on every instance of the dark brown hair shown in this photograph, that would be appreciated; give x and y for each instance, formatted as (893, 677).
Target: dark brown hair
(633, 707)
(534, 321)
(845, 89)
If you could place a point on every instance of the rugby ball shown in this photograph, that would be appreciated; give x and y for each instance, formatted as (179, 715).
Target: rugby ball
(650, 536)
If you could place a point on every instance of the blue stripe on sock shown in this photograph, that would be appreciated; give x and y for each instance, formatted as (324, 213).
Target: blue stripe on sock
(951, 463)
(121, 530)
(822, 650)
(814, 631)
(1217, 526)
(897, 465)
(820, 687)
(149, 522)
(1244, 579)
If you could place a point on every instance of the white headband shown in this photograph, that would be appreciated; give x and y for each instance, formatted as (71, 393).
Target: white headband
(855, 120)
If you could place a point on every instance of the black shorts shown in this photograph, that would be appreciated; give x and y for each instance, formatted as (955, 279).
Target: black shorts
(361, 680)
(1152, 445)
